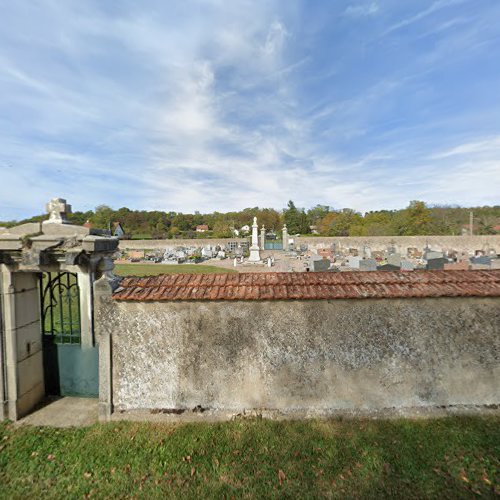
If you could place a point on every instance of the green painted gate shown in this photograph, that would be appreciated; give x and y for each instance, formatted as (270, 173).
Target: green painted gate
(273, 245)
(70, 369)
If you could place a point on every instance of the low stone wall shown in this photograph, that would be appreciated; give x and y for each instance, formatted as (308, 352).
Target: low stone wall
(401, 243)
(312, 356)
(376, 243)
(171, 244)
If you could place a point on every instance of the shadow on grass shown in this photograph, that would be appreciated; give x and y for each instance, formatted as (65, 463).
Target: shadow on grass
(451, 457)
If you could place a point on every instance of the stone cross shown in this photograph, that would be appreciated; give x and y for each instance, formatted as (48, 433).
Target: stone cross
(57, 209)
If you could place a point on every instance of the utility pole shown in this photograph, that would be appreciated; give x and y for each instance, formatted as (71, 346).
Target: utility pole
(471, 223)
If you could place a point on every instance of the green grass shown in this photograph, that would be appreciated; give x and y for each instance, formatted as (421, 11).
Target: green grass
(141, 236)
(154, 269)
(455, 457)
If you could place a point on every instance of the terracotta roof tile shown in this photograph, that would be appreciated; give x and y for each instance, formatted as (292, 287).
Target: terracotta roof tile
(286, 286)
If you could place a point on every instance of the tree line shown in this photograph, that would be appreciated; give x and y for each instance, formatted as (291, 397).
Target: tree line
(417, 218)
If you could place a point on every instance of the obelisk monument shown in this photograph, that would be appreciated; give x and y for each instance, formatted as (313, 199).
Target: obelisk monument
(254, 249)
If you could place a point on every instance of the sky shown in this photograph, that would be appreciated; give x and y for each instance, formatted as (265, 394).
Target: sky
(221, 105)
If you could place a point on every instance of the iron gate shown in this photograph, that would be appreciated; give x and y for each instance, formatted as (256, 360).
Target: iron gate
(69, 367)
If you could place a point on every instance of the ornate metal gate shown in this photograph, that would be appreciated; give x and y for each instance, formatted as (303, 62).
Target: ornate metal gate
(61, 308)
(69, 367)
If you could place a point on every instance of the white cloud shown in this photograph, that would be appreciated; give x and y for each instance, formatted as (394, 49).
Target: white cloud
(197, 107)
(490, 145)
(368, 9)
(275, 38)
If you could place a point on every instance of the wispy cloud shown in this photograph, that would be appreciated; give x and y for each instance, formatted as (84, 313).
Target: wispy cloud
(212, 105)
(361, 10)
(487, 145)
(434, 7)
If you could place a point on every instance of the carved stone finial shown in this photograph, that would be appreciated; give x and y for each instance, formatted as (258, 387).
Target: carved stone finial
(58, 209)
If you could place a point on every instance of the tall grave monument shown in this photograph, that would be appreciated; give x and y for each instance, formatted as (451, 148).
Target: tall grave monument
(254, 249)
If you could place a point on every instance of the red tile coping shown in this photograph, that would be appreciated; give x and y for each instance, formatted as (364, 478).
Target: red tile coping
(309, 286)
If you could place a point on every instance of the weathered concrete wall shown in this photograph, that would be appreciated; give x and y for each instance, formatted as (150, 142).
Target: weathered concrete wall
(401, 243)
(316, 356)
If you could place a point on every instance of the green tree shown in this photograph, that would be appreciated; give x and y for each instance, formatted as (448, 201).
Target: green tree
(222, 230)
(185, 222)
(378, 223)
(317, 213)
(160, 230)
(296, 220)
(485, 227)
(173, 232)
(416, 219)
(339, 223)
(80, 218)
(103, 217)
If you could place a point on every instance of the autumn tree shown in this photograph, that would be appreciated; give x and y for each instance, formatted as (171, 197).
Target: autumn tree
(222, 230)
(317, 213)
(416, 219)
(339, 223)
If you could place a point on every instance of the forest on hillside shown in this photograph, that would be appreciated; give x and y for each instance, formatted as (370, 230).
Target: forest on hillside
(416, 219)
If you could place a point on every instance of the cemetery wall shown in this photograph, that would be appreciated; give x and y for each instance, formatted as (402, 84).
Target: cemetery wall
(401, 243)
(171, 244)
(302, 357)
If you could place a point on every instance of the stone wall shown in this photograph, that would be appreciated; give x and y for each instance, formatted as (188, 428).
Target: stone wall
(316, 356)
(401, 243)
(171, 244)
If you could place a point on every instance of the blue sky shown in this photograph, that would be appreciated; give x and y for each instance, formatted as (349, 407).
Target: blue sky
(220, 105)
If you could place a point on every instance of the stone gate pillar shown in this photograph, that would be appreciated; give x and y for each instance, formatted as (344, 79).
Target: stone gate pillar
(103, 316)
(27, 251)
(21, 343)
(262, 237)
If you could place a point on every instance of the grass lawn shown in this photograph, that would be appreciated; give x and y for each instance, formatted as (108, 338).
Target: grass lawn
(456, 457)
(154, 269)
